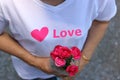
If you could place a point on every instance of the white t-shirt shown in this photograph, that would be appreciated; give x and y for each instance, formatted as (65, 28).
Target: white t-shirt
(39, 27)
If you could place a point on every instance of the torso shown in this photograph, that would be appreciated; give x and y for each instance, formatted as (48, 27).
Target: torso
(40, 25)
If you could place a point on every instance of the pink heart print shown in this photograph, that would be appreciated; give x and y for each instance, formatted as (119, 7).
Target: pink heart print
(40, 35)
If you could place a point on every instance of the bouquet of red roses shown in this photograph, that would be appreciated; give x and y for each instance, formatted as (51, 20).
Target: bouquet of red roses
(65, 58)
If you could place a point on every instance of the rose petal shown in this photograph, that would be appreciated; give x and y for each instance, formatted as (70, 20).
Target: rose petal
(76, 53)
(59, 62)
(72, 70)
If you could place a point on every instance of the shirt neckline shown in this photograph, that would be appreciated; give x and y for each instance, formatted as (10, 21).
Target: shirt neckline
(52, 7)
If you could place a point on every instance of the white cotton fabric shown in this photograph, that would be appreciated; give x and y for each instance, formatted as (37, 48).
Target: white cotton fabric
(39, 27)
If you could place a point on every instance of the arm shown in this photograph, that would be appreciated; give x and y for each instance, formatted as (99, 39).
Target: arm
(95, 35)
(10, 46)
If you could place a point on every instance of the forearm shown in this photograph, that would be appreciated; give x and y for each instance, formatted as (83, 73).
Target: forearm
(9, 45)
(95, 35)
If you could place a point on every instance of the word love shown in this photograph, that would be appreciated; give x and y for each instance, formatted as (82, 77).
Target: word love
(65, 33)
(41, 34)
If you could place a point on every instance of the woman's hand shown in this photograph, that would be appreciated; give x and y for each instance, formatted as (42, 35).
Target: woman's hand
(83, 61)
(95, 35)
(44, 64)
(82, 64)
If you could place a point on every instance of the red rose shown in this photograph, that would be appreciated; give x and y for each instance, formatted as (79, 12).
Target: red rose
(53, 55)
(61, 52)
(72, 70)
(76, 53)
(59, 62)
(55, 52)
(64, 52)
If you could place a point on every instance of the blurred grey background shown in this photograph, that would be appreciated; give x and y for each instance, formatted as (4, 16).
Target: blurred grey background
(105, 63)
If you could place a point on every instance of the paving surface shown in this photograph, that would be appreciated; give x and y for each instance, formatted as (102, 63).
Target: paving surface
(105, 63)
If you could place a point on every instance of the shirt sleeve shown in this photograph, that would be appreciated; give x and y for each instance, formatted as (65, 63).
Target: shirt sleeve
(3, 22)
(107, 10)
